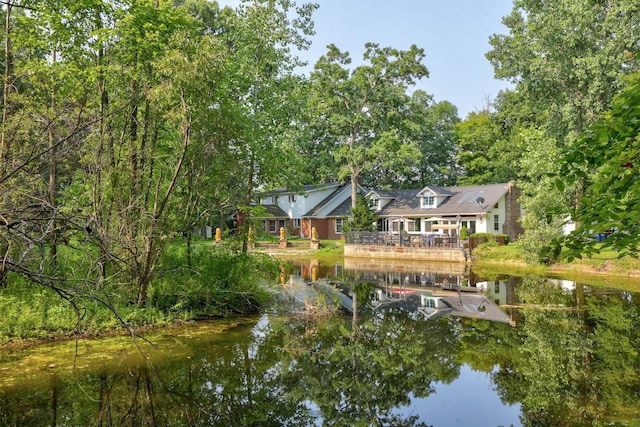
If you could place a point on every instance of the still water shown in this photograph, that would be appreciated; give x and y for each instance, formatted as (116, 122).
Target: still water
(422, 345)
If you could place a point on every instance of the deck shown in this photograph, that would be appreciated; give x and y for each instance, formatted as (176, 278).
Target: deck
(423, 247)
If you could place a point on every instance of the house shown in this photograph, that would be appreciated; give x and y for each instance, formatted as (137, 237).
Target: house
(438, 210)
(324, 207)
(490, 208)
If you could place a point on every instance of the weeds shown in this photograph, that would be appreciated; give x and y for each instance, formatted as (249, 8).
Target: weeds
(217, 282)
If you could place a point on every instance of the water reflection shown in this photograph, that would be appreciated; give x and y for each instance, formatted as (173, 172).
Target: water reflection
(572, 360)
(428, 289)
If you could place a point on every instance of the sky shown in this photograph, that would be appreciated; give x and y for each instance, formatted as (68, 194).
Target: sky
(453, 33)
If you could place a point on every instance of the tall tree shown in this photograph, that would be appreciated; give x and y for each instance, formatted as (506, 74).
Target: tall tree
(606, 160)
(566, 59)
(433, 128)
(567, 56)
(475, 136)
(261, 81)
(359, 112)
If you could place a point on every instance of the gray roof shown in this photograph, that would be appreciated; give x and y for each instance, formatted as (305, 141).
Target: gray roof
(472, 306)
(461, 201)
(438, 190)
(275, 211)
(313, 211)
(344, 209)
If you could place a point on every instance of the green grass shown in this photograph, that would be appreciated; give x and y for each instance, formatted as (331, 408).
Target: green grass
(604, 268)
(219, 282)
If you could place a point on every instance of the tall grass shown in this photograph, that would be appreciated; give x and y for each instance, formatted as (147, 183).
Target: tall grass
(218, 281)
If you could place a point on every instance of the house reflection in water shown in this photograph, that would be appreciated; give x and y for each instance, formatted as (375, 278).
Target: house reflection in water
(427, 289)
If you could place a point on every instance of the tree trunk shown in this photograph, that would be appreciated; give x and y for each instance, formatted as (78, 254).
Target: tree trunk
(354, 190)
(8, 63)
(4, 143)
(150, 251)
(53, 244)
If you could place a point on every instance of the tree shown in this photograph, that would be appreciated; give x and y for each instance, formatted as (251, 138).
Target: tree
(424, 147)
(433, 129)
(262, 84)
(567, 60)
(362, 217)
(358, 113)
(475, 136)
(513, 118)
(543, 204)
(567, 57)
(606, 160)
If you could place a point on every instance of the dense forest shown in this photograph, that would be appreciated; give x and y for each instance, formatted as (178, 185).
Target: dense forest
(126, 124)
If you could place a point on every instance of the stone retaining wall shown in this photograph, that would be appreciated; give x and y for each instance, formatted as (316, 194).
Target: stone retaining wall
(406, 253)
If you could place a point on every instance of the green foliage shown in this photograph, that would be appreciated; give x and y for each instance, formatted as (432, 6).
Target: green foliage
(606, 161)
(566, 57)
(432, 126)
(543, 232)
(475, 136)
(362, 217)
(358, 114)
(464, 233)
(567, 60)
(222, 281)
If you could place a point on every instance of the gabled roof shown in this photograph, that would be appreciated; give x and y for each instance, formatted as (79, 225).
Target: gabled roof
(317, 208)
(437, 190)
(460, 201)
(384, 194)
(341, 211)
(275, 211)
(344, 207)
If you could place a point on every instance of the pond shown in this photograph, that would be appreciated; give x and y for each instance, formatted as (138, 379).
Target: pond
(421, 345)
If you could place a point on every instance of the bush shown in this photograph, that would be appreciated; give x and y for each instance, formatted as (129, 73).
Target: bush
(464, 233)
(219, 282)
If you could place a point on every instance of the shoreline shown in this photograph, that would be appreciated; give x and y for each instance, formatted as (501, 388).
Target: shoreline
(608, 273)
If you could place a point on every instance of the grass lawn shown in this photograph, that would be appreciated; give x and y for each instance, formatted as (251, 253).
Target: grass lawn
(602, 268)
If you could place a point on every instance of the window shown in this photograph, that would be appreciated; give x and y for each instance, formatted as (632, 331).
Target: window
(292, 198)
(281, 224)
(414, 225)
(375, 203)
(272, 226)
(339, 224)
(430, 303)
(496, 222)
(496, 287)
(428, 201)
(296, 222)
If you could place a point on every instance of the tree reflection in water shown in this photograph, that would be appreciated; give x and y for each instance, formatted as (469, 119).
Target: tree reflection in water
(573, 361)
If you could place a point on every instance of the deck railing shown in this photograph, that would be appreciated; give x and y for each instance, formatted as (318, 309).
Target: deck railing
(381, 238)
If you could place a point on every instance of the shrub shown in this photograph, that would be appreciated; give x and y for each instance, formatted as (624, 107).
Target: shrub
(464, 233)
(221, 281)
